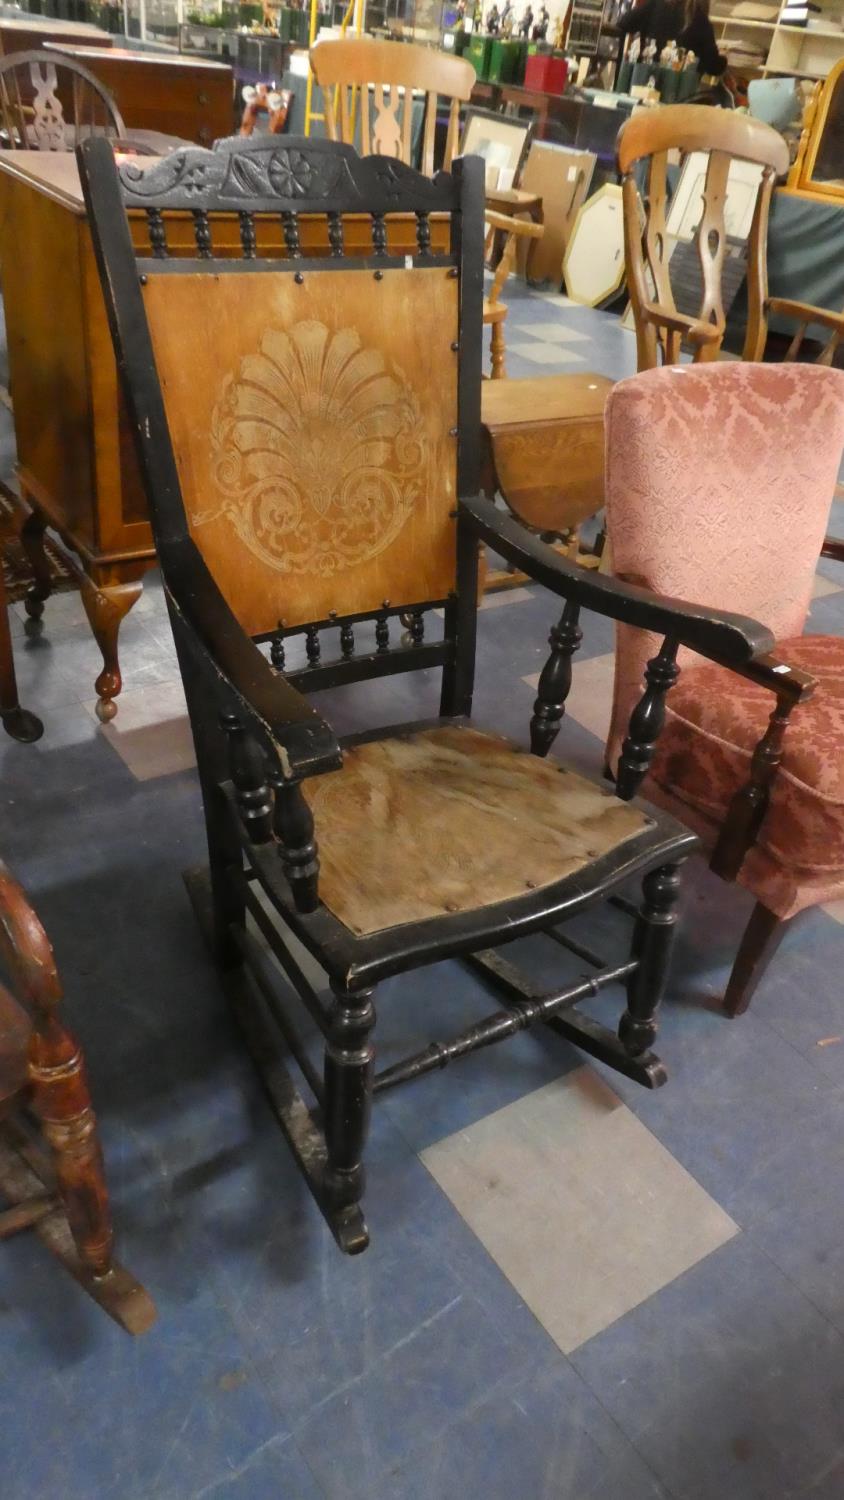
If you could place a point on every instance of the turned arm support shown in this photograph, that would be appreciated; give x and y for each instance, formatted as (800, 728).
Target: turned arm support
(298, 739)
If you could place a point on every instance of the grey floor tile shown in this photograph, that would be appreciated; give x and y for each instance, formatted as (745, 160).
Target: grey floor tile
(583, 1209)
(543, 1435)
(729, 1383)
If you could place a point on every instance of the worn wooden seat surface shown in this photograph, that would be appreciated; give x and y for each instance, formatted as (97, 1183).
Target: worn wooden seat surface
(545, 441)
(449, 820)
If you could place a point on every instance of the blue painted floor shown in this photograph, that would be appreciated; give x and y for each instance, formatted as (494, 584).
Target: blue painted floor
(278, 1370)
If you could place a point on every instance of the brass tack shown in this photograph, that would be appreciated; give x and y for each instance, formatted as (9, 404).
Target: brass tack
(385, 604)
(452, 275)
(451, 906)
(452, 432)
(143, 278)
(379, 275)
(332, 614)
(531, 885)
(298, 278)
(455, 346)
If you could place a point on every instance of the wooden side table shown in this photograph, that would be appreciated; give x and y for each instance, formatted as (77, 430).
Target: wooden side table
(544, 451)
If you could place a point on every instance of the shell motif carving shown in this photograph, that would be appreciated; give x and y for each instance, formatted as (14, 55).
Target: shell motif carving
(318, 451)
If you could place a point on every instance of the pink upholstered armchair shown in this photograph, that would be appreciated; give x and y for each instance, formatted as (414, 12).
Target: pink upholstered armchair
(719, 483)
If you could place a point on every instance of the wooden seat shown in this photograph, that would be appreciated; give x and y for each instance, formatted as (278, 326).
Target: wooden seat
(661, 330)
(311, 463)
(50, 103)
(510, 822)
(44, 1091)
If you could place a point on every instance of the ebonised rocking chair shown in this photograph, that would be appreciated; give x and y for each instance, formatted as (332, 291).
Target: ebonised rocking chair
(308, 431)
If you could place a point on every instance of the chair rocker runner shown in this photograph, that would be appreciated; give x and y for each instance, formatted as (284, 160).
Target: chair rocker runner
(312, 464)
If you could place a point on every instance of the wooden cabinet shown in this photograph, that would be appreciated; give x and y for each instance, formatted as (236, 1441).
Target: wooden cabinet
(30, 31)
(182, 96)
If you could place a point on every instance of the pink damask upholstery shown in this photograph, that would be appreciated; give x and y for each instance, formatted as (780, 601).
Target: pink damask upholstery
(719, 484)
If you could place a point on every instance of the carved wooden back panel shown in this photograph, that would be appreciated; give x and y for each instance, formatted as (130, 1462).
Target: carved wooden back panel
(368, 88)
(313, 421)
(307, 410)
(648, 136)
(50, 103)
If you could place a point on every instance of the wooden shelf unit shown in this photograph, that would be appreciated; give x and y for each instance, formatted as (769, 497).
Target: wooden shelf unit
(793, 51)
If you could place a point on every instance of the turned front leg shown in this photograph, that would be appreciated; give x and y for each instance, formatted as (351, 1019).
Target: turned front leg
(106, 607)
(653, 939)
(62, 1102)
(348, 1076)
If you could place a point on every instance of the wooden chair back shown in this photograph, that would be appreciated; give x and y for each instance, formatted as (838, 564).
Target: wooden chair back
(51, 103)
(349, 68)
(648, 137)
(318, 411)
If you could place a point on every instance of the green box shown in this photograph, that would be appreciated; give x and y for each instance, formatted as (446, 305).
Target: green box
(478, 54)
(503, 61)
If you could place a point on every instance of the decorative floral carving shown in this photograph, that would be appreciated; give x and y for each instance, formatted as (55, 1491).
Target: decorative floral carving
(318, 450)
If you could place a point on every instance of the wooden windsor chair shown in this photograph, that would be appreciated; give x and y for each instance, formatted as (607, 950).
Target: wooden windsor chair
(60, 1192)
(51, 103)
(326, 421)
(661, 329)
(369, 87)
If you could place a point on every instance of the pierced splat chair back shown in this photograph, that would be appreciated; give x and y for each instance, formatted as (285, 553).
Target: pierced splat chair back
(368, 87)
(648, 137)
(327, 380)
(51, 103)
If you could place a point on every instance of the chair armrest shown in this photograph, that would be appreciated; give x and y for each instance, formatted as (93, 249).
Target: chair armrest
(521, 228)
(25, 947)
(675, 322)
(730, 639)
(299, 738)
(804, 312)
(833, 547)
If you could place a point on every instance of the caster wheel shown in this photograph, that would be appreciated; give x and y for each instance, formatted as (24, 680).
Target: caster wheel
(23, 726)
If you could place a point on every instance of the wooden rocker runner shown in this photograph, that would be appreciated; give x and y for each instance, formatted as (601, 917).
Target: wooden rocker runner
(311, 463)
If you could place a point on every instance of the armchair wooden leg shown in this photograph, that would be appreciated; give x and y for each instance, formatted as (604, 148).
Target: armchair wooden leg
(16, 721)
(653, 938)
(31, 536)
(348, 1078)
(498, 350)
(63, 1104)
(762, 937)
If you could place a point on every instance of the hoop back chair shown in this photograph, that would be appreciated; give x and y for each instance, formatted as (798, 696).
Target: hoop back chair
(44, 1098)
(750, 757)
(648, 137)
(346, 70)
(311, 464)
(50, 103)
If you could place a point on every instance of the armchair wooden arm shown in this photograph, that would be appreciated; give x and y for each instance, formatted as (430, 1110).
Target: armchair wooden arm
(297, 737)
(727, 638)
(804, 312)
(25, 947)
(833, 547)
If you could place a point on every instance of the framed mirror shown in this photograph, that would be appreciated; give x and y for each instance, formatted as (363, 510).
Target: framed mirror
(819, 167)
